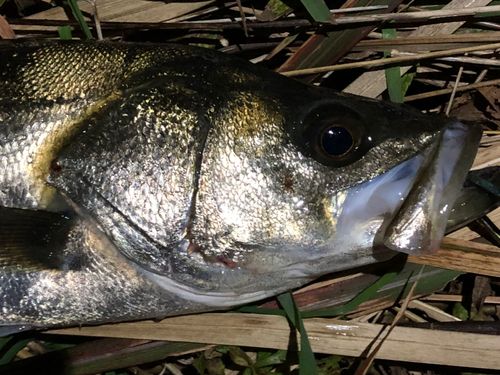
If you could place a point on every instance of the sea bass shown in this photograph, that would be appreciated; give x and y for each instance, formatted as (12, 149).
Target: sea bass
(141, 181)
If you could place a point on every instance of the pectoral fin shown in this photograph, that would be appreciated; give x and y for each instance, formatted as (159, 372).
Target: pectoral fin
(32, 240)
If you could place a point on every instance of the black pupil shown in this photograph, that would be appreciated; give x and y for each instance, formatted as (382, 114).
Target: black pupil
(336, 141)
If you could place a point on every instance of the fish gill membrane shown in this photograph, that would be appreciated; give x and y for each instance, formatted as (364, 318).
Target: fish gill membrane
(143, 181)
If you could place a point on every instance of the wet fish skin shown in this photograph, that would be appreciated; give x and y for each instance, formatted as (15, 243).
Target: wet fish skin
(191, 177)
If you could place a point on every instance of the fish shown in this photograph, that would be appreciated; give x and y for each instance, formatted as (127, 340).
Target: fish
(141, 181)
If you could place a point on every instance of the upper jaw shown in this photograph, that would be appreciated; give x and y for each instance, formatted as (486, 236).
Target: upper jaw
(419, 225)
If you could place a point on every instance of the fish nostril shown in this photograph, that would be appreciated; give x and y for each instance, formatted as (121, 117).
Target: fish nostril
(55, 167)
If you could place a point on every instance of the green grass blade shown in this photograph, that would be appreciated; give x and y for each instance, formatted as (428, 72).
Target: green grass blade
(330, 365)
(4, 341)
(14, 349)
(307, 362)
(330, 47)
(406, 80)
(272, 360)
(485, 184)
(318, 10)
(64, 32)
(77, 13)
(364, 296)
(393, 74)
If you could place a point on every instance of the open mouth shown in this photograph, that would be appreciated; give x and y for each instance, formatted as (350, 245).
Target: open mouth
(420, 223)
(407, 208)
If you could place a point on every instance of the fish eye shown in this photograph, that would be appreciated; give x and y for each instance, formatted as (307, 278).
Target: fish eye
(334, 136)
(336, 140)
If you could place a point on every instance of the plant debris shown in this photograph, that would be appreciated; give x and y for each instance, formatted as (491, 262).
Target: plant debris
(439, 56)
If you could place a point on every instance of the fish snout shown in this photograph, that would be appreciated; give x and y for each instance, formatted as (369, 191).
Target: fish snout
(419, 225)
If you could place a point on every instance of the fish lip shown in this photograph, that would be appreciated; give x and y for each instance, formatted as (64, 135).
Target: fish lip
(419, 224)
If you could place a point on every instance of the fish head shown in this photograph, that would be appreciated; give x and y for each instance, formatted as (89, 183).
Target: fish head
(324, 184)
(239, 183)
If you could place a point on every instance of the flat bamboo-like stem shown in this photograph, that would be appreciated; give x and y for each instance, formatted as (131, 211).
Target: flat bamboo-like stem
(433, 312)
(416, 16)
(457, 298)
(48, 24)
(358, 9)
(392, 60)
(466, 256)
(327, 336)
(372, 84)
(431, 94)
(471, 60)
(491, 37)
(454, 91)
(489, 156)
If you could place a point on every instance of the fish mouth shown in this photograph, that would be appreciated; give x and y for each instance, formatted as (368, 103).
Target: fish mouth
(418, 226)
(406, 209)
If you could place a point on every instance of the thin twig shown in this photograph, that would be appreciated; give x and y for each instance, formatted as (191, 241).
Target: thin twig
(206, 24)
(363, 369)
(472, 60)
(483, 73)
(492, 37)
(401, 60)
(481, 76)
(455, 86)
(431, 94)
(457, 298)
(201, 12)
(164, 369)
(461, 59)
(243, 19)
(417, 16)
(365, 318)
(432, 311)
(96, 19)
(491, 25)
(173, 370)
(411, 315)
(358, 9)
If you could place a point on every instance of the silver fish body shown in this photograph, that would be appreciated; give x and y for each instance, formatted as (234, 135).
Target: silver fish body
(167, 180)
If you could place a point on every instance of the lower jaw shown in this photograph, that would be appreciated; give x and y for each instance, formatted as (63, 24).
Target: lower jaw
(420, 223)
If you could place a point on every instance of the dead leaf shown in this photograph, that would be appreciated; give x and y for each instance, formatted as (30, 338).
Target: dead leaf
(6, 31)
(464, 108)
(492, 95)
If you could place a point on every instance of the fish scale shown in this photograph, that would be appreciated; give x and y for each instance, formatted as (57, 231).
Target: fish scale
(176, 180)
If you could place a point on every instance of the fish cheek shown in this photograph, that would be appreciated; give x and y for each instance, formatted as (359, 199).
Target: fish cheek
(237, 202)
(259, 198)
